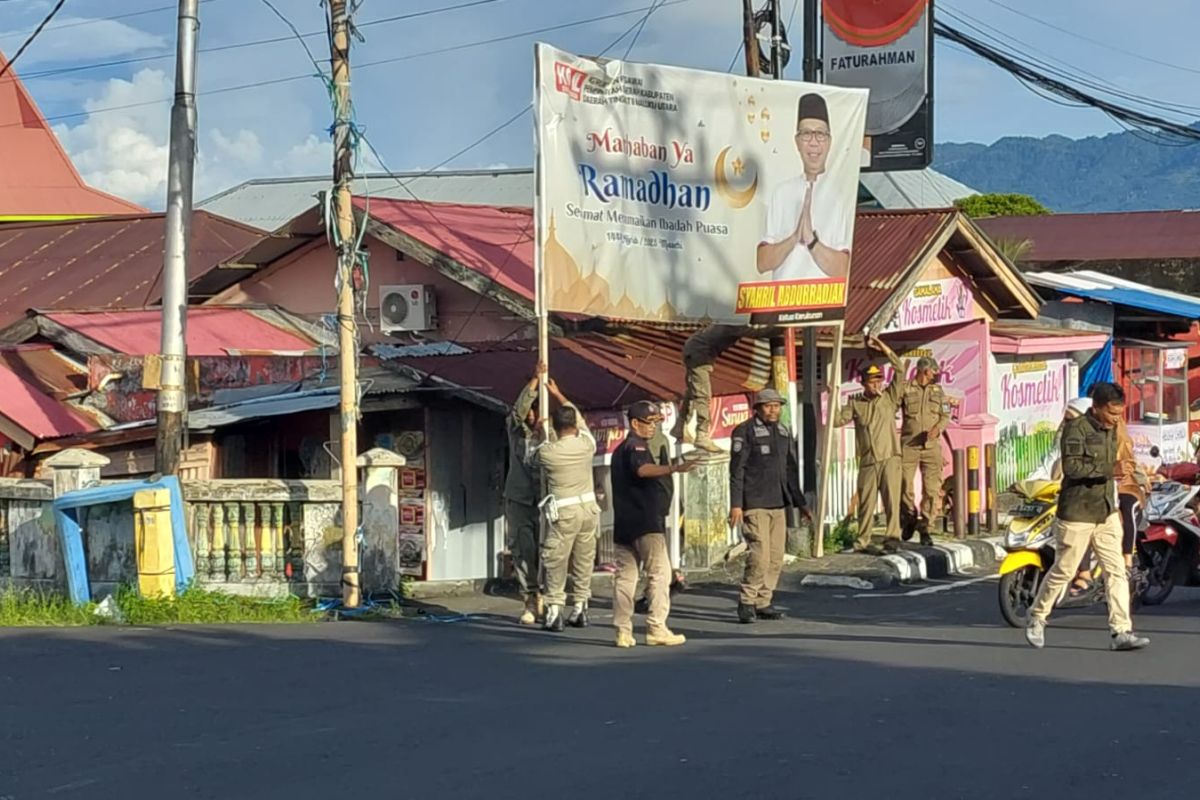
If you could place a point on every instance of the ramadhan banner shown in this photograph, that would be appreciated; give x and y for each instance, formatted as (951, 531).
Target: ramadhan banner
(675, 195)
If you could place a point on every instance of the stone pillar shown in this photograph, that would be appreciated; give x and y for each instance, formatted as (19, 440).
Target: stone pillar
(75, 468)
(380, 485)
(706, 512)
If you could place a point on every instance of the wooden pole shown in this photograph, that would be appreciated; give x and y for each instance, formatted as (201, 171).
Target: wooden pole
(343, 179)
(827, 431)
(960, 493)
(750, 36)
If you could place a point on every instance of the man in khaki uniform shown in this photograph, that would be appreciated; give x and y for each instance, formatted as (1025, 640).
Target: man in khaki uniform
(571, 510)
(700, 352)
(925, 416)
(522, 491)
(873, 412)
(1088, 515)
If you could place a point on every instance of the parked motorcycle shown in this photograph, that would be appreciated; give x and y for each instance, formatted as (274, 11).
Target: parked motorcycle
(1170, 546)
(1030, 543)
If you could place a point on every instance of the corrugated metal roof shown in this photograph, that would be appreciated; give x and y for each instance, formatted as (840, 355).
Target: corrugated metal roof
(270, 203)
(601, 370)
(110, 262)
(45, 368)
(887, 245)
(38, 414)
(38, 178)
(211, 331)
(1105, 288)
(259, 408)
(493, 241)
(924, 188)
(1113, 236)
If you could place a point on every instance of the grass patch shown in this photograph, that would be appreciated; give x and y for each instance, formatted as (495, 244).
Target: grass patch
(841, 536)
(26, 608)
(22, 608)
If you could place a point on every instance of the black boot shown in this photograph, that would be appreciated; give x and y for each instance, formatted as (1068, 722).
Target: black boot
(768, 612)
(746, 615)
(578, 617)
(555, 623)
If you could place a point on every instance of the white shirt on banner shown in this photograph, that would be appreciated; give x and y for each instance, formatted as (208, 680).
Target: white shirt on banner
(832, 219)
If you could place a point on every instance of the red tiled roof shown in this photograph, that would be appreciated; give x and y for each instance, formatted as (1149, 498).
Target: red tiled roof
(38, 179)
(40, 415)
(495, 242)
(211, 331)
(45, 368)
(1117, 236)
(886, 246)
(110, 262)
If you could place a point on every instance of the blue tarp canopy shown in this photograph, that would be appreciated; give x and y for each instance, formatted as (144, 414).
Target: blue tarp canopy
(1118, 291)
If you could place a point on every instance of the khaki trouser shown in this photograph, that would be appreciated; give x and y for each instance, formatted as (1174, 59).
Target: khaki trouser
(650, 551)
(699, 394)
(1074, 538)
(523, 531)
(765, 531)
(930, 462)
(881, 478)
(570, 548)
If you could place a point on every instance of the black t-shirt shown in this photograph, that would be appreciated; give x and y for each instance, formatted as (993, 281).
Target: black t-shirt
(640, 505)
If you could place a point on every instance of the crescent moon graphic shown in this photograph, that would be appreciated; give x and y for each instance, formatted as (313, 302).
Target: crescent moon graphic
(736, 198)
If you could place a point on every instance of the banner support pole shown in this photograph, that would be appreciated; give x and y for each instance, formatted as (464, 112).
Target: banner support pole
(823, 471)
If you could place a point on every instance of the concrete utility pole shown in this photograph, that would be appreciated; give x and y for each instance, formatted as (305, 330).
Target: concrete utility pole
(172, 392)
(343, 179)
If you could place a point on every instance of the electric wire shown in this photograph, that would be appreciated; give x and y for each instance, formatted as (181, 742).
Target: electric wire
(31, 38)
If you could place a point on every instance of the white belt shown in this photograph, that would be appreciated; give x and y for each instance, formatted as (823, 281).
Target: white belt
(565, 502)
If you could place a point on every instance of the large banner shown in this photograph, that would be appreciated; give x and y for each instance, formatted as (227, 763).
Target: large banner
(675, 195)
(885, 46)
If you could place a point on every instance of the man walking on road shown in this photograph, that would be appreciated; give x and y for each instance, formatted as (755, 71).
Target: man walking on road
(764, 482)
(521, 490)
(641, 500)
(1088, 515)
(873, 412)
(925, 416)
(570, 508)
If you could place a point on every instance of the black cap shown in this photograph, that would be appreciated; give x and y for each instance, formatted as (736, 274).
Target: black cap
(812, 106)
(645, 411)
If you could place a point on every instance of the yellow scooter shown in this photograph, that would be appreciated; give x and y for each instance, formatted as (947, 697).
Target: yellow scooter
(1030, 545)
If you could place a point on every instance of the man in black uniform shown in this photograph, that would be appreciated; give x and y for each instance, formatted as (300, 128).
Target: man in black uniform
(641, 501)
(764, 482)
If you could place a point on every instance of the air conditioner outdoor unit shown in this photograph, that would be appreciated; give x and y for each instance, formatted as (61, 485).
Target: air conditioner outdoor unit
(407, 307)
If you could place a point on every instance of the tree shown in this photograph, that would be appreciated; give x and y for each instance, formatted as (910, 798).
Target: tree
(1014, 249)
(1000, 205)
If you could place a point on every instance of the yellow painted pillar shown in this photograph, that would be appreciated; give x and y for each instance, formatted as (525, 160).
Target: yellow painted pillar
(155, 543)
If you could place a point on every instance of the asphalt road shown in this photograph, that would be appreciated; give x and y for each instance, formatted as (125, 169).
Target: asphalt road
(895, 696)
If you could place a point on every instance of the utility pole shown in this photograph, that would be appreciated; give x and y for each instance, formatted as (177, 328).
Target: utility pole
(750, 37)
(343, 179)
(808, 382)
(172, 392)
(811, 25)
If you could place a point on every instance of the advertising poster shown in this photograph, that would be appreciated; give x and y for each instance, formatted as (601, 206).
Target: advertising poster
(885, 46)
(942, 301)
(677, 195)
(1028, 397)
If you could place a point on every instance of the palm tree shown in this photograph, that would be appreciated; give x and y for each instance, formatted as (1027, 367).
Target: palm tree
(1014, 249)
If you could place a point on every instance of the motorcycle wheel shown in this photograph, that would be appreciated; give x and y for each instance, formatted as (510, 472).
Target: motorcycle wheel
(1160, 573)
(1017, 592)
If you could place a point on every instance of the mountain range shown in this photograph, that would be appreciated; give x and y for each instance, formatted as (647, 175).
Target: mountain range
(1117, 172)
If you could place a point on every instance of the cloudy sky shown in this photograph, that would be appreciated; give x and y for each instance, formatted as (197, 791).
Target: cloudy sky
(452, 75)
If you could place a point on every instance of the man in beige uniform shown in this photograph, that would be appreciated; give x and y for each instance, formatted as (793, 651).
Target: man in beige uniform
(874, 414)
(571, 510)
(522, 489)
(700, 352)
(925, 416)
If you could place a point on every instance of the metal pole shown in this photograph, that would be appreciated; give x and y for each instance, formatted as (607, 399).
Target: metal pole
(960, 494)
(823, 471)
(343, 180)
(973, 491)
(811, 25)
(172, 392)
(989, 463)
(776, 43)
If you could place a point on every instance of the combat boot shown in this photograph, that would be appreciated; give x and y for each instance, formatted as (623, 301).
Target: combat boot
(555, 623)
(529, 615)
(664, 637)
(578, 617)
(706, 444)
